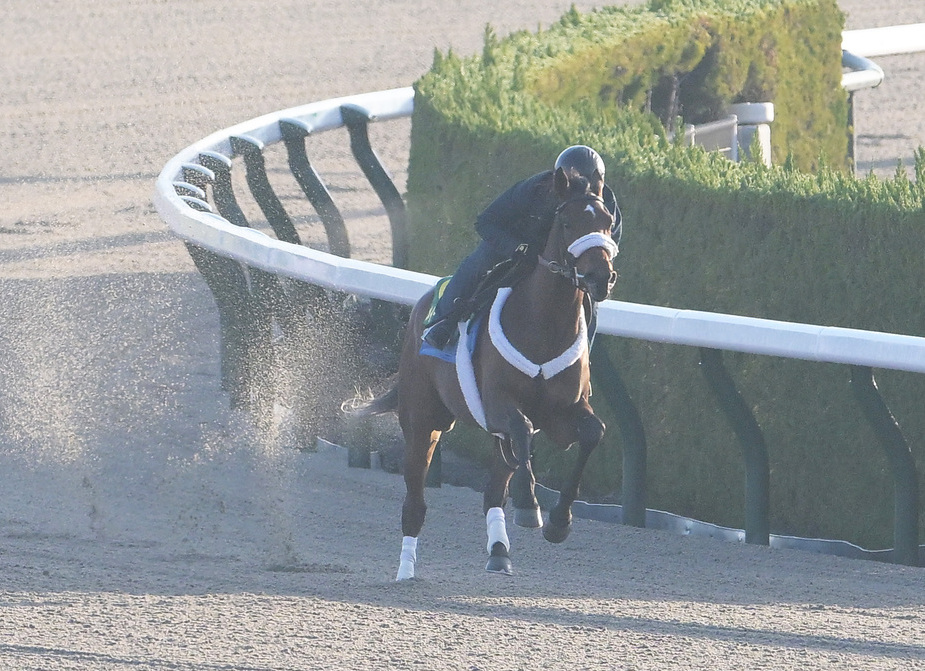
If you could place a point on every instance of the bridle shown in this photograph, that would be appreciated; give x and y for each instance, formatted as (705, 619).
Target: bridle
(567, 267)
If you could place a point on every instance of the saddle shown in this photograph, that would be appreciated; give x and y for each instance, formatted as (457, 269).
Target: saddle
(507, 273)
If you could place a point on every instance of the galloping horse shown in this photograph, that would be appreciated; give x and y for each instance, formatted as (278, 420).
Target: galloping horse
(500, 388)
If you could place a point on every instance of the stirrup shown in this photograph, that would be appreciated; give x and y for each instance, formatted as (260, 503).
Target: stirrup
(438, 334)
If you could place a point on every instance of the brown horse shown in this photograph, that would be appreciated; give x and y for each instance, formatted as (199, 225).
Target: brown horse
(539, 319)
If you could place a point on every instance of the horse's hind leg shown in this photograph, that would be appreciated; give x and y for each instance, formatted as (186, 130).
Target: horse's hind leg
(590, 431)
(419, 450)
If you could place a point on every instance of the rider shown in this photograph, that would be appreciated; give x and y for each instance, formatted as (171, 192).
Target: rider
(522, 214)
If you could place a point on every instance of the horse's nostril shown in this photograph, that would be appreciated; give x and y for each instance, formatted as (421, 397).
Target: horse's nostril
(613, 278)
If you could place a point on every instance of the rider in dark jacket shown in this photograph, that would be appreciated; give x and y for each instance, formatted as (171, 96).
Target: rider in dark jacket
(522, 214)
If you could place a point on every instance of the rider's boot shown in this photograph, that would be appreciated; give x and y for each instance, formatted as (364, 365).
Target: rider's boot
(438, 335)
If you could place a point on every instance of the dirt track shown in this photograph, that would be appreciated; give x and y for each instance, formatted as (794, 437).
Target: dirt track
(142, 526)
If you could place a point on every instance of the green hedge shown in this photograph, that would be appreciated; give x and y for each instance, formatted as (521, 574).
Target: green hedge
(701, 233)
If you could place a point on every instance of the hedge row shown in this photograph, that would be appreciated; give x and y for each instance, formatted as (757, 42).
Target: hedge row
(701, 233)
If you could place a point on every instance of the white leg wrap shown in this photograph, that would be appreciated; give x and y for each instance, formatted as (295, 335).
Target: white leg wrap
(497, 532)
(409, 555)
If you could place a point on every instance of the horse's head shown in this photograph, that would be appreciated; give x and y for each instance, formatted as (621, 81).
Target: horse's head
(580, 243)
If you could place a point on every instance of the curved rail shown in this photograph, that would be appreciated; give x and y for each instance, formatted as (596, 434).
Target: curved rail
(886, 41)
(183, 206)
(646, 322)
(858, 46)
(865, 74)
(200, 225)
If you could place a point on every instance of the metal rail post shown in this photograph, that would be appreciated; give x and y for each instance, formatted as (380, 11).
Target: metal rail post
(251, 150)
(357, 120)
(255, 313)
(757, 472)
(294, 133)
(607, 379)
(905, 477)
(228, 283)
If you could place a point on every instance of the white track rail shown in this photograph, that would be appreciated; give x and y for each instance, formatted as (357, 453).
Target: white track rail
(253, 247)
(859, 46)
(645, 322)
(888, 41)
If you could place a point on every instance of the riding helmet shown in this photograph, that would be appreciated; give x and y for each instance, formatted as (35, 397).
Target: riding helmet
(580, 159)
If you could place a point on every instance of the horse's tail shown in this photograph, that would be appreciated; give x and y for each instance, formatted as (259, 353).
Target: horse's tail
(366, 406)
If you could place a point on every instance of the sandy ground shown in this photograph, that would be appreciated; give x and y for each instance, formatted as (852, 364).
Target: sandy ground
(144, 525)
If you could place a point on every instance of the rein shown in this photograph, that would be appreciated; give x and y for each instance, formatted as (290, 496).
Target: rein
(567, 271)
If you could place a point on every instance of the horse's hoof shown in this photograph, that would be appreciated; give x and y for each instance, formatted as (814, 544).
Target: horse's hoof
(499, 561)
(530, 518)
(556, 533)
(405, 571)
(501, 565)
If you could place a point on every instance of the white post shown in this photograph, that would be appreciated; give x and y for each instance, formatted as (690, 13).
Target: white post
(753, 121)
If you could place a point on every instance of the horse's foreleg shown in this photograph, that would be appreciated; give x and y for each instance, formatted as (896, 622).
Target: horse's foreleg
(590, 432)
(499, 546)
(418, 452)
(526, 508)
(513, 452)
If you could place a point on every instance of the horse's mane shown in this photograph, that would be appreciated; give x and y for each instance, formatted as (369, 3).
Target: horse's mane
(578, 185)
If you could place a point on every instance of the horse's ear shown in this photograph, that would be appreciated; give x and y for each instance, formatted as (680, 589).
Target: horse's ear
(596, 182)
(562, 183)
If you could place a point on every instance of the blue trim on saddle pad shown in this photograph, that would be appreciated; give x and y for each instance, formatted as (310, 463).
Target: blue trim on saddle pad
(448, 353)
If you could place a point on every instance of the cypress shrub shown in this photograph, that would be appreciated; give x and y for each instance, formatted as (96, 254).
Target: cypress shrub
(803, 241)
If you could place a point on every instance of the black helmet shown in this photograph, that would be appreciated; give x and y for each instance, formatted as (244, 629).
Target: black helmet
(582, 160)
